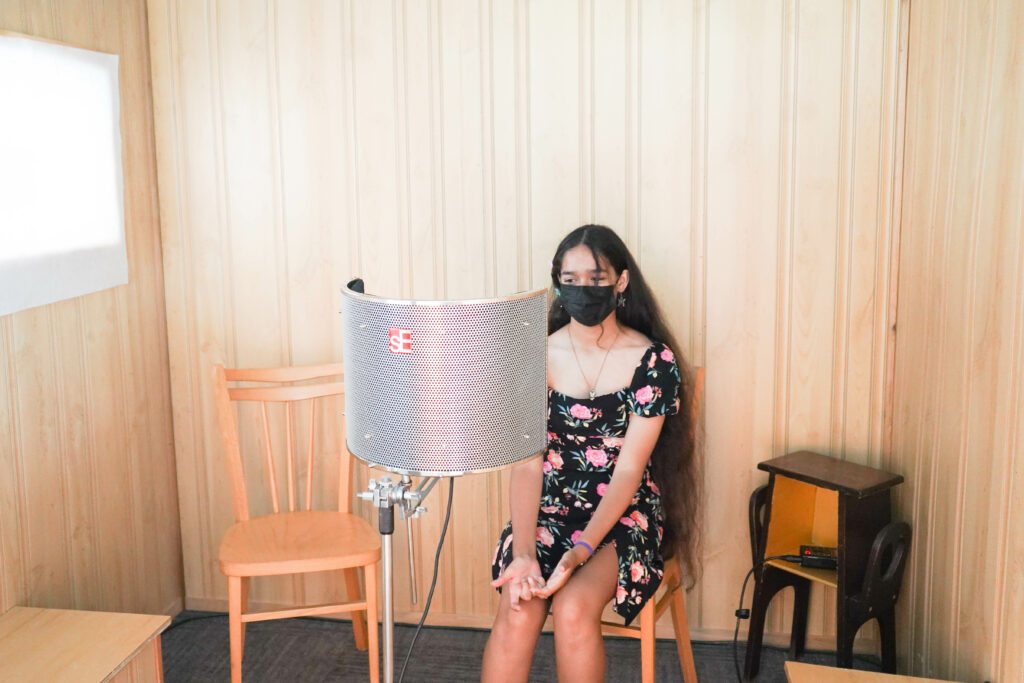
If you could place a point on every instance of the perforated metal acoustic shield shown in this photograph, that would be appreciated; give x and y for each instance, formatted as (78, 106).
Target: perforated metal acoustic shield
(442, 388)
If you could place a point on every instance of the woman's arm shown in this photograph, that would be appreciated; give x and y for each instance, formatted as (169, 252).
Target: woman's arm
(524, 491)
(641, 436)
(522, 575)
(637, 446)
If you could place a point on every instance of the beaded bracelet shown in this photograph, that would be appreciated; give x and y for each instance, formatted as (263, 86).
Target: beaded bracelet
(585, 545)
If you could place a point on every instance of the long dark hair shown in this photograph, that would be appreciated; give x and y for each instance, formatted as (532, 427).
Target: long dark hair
(674, 466)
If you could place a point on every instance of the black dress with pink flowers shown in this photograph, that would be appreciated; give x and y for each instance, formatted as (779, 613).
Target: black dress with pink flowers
(584, 439)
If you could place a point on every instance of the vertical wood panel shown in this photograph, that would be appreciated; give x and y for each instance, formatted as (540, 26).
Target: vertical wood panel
(554, 143)
(45, 556)
(818, 273)
(12, 579)
(443, 149)
(77, 491)
(1005, 532)
(607, 149)
(88, 513)
(148, 373)
(745, 191)
(668, 160)
(873, 122)
(957, 384)
(418, 125)
(1010, 570)
(374, 107)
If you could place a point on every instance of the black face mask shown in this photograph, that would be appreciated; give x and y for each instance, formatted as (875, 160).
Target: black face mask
(587, 305)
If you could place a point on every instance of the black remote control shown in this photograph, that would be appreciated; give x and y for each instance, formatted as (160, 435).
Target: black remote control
(818, 557)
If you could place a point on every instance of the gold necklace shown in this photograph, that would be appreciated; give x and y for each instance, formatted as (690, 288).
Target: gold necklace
(592, 387)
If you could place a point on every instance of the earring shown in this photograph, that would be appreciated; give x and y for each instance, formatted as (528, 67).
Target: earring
(622, 300)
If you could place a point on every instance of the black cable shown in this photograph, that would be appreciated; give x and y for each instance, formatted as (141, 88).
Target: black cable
(745, 613)
(433, 581)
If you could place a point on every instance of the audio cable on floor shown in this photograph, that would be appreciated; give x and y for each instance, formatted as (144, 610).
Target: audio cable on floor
(433, 580)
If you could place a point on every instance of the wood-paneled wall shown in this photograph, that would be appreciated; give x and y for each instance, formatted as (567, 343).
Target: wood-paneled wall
(959, 415)
(88, 495)
(803, 134)
(747, 152)
(751, 153)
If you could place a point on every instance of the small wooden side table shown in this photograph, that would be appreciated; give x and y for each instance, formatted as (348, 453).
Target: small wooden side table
(812, 499)
(76, 646)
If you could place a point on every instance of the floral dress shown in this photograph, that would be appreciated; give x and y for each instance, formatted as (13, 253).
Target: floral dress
(584, 439)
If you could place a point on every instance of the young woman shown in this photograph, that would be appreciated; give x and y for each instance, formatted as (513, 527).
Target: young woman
(616, 491)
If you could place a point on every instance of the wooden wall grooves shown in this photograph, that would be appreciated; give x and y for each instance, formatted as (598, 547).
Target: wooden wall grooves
(447, 160)
(957, 385)
(88, 514)
(446, 150)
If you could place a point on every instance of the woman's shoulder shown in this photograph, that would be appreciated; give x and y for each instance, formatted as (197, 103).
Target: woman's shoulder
(635, 340)
(559, 336)
(657, 359)
(655, 387)
(664, 352)
(655, 345)
(651, 348)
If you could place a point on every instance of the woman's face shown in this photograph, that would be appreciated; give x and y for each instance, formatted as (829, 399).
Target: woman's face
(579, 268)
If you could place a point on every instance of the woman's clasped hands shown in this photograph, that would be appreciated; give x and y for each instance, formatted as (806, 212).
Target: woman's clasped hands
(523, 580)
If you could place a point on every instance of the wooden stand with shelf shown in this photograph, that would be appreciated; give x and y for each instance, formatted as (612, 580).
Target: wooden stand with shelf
(812, 499)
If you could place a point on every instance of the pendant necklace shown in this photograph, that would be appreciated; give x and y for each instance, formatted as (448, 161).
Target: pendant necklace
(592, 387)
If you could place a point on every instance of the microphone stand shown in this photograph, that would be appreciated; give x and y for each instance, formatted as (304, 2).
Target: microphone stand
(385, 494)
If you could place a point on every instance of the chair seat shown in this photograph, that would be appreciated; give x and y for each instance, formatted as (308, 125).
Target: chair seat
(295, 542)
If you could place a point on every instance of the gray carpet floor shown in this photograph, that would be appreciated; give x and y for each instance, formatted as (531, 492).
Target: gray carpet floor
(195, 648)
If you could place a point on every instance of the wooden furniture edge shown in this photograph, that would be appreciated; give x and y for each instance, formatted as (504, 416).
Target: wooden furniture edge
(153, 625)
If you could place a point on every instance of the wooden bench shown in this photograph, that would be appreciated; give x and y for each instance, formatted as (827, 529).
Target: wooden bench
(76, 646)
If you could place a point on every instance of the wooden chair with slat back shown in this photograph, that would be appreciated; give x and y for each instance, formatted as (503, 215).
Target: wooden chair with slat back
(299, 539)
(670, 596)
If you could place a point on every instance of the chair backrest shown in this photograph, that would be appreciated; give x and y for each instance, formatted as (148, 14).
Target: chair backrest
(285, 390)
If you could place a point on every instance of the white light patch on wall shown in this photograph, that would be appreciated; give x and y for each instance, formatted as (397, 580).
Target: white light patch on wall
(61, 186)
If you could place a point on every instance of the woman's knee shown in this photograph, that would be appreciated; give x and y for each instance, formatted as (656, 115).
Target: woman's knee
(575, 612)
(526, 621)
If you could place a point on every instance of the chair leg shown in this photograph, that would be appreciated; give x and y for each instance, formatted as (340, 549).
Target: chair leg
(370, 573)
(245, 608)
(358, 618)
(235, 626)
(647, 642)
(682, 630)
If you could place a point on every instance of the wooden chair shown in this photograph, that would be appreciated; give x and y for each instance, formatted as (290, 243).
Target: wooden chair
(295, 541)
(671, 596)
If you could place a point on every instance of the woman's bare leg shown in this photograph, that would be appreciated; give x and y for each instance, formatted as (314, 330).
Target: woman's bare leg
(576, 609)
(509, 651)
